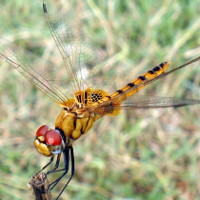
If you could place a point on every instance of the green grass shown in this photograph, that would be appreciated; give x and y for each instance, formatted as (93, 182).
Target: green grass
(142, 154)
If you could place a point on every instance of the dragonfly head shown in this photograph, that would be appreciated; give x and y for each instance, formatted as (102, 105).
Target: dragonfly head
(49, 141)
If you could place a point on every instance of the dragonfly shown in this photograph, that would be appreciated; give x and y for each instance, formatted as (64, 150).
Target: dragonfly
(77, 87)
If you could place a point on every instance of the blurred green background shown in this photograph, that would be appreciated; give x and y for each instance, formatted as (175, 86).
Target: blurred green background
(142, 154)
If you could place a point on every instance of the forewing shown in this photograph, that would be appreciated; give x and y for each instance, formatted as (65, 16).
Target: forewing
(84, 63)
(43, 75)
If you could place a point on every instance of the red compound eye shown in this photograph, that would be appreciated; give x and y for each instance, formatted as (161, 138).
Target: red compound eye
(53, 138)
(42, 130)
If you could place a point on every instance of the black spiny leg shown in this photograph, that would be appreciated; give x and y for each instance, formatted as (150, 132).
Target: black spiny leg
(66, 161)
(72, 170)
(56, 165)
(51, 160)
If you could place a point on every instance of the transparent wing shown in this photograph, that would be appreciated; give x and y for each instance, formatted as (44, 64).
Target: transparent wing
(82, 60)
(123, 101)
(43, 75)
(144, 102)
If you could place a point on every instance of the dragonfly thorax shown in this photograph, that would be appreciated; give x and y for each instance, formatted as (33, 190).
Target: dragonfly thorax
(75, 124)
(89, 96)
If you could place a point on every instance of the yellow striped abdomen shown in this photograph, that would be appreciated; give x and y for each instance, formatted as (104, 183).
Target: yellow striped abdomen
(150, 75)
(130, 89)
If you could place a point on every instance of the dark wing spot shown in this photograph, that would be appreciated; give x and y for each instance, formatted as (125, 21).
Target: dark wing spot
(109, 108)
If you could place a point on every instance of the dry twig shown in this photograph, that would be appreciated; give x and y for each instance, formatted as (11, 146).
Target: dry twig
(39, 185)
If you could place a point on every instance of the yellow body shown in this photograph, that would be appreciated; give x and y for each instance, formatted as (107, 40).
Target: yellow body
(91, 104)
(73, 125)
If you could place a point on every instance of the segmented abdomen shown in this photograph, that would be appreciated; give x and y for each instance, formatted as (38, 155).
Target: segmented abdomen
(111, 104)
(150, 75)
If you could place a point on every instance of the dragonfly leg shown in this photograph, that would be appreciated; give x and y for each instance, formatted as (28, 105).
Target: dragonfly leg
(72, 171)
(56, 165)
(51, 160)
(66, 161)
